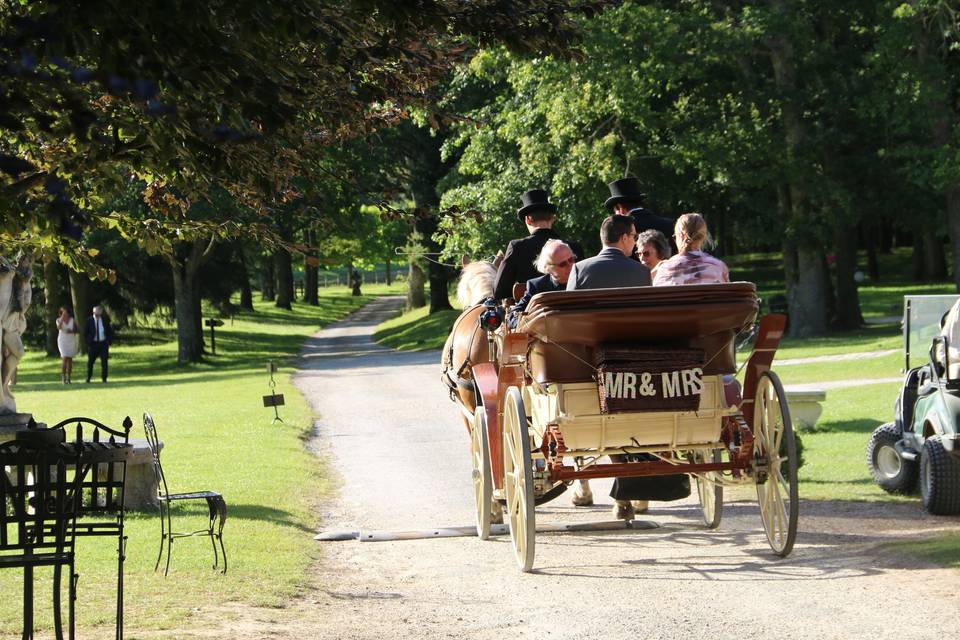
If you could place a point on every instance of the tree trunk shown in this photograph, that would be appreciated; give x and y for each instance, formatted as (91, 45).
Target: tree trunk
(189, 340)
(943, 120)
(806, 295)
(82, 309)
(57, 294)
(416, 295)
(268, 285)
(934, 259)
(246, 293)
(953, 222)
(847, 297)
(389, 273)
(916, 260)
(438, 274)
(185, 264)
(869, 234)
(283, 267)
(311, 279)
(426, 169)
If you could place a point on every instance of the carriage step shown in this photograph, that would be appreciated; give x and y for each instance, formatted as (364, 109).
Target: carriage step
(496, 530)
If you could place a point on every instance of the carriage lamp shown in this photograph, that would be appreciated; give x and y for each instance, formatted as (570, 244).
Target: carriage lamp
(492, 316)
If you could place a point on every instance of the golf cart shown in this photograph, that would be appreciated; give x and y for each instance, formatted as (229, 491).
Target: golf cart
(923, 442)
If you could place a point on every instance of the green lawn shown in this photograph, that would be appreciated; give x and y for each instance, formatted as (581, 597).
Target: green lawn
(417, 330)
(217, 436)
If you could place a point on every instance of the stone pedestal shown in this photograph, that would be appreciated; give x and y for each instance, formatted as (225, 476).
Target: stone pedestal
(11, 423)
(806, 405)
(140, 491)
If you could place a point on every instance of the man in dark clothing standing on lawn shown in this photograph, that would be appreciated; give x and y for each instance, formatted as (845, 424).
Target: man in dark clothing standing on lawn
(98, 335)
(539, 214)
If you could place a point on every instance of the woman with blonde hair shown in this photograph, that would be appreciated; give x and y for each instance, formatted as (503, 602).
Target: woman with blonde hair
(691, 265)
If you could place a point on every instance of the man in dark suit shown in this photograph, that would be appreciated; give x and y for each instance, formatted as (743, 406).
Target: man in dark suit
(627, 199)
(556, 261)
(98, 335)
(612, 267)
(539, 214)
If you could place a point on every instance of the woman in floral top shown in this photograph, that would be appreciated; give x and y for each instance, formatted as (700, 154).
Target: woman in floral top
(691, 265)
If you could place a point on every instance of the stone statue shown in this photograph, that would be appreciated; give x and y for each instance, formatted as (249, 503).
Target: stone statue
(16, 296)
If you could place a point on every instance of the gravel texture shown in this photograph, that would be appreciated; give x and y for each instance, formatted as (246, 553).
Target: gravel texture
(402, 453)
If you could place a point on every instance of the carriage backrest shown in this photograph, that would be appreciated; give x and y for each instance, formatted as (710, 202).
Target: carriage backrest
(568, 326)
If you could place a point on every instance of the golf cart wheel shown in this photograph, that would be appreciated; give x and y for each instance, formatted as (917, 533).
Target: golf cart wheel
(892, 472)
(939, 478)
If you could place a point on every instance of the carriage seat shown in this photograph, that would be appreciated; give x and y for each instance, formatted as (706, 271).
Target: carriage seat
(568, 326)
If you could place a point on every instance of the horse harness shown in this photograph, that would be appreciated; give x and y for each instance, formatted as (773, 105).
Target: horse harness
(457, 380)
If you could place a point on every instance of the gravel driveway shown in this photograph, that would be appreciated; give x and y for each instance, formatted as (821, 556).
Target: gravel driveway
(402, 453)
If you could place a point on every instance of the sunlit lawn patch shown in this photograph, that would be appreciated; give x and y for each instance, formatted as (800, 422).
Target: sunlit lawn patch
(217, 436)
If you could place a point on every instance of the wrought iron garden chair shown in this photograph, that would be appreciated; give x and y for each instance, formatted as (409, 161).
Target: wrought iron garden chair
(38, 507)
(216, 505)
(103, 481)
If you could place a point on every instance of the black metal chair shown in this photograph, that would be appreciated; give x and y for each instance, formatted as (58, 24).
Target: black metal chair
(216, 506)
(38, 507)
(103, 480)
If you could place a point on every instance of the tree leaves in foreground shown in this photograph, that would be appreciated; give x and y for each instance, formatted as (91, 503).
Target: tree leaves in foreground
(193, 98)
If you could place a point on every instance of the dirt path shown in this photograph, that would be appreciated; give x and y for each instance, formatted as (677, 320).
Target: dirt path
(402, 452)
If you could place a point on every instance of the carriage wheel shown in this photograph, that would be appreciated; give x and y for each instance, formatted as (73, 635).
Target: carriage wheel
(482, 476)
(518, 478)
(710, 490)
(777, 483)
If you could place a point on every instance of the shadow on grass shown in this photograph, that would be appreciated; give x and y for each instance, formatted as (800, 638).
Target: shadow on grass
(241, 511)
(861, 425)
(420, 333)
(266, 514)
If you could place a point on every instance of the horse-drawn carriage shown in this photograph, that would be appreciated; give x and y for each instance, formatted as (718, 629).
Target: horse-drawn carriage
(643, 374)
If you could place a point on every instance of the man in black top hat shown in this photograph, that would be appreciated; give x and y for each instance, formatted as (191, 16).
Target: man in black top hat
(627, 199)
(539, 214)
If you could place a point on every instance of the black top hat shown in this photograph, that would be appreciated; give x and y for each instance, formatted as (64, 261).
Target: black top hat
(533, 201)
(624, 190)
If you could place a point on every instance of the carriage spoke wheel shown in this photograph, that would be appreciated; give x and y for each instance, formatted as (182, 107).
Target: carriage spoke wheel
(709, 489)
(518, 478)
(775, 446)
(482, 476)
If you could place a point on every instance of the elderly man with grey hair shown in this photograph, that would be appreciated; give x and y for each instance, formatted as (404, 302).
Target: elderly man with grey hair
(98, 335)
(555, 261)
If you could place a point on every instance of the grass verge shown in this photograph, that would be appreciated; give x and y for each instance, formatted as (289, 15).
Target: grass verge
(217, 435)
(943, 550)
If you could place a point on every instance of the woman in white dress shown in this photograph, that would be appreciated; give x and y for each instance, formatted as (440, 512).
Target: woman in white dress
(67, 342)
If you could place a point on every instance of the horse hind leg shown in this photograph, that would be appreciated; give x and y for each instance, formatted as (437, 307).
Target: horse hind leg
(582, 495)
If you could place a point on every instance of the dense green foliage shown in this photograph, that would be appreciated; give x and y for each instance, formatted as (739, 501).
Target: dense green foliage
(807, 125)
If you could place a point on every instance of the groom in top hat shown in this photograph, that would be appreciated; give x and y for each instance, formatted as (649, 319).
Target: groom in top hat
(627, 199)
(539, 214)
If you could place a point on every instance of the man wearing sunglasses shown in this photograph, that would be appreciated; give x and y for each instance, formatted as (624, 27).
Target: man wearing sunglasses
(556, 261)
(612, 267)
